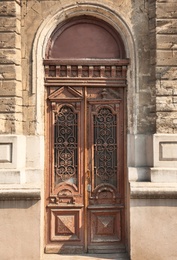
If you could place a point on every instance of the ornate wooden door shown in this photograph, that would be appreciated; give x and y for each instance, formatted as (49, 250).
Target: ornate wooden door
(105, 183)
(85, 195)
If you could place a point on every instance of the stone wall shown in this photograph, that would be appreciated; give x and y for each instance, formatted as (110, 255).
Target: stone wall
(10, 67)
(141, 98)
(166, 37)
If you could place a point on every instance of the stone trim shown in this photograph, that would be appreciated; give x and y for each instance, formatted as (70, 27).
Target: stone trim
(19, 193)
(10, 67)
(166, 175)
(147, 190)
(165, 150)
(12, 151)
(48, 26)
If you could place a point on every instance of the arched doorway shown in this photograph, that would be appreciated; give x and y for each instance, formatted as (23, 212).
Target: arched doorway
(85, 79)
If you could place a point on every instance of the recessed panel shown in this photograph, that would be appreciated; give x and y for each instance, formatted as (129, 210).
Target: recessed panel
(65, 225)
(168, 151)
(105, 226)
(5, 152)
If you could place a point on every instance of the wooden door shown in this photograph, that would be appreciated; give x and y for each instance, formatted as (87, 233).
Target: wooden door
(85, 206)
(105, 183)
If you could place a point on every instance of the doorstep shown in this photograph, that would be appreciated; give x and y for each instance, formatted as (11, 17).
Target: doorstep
(118, 256)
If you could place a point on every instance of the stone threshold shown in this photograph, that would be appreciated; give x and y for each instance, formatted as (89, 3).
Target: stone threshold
(117, 256)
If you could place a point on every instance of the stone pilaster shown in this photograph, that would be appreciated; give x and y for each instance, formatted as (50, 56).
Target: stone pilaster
(166, 88)
(165, 139)
(10, 68)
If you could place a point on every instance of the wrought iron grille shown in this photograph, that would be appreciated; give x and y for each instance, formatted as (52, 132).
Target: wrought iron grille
(66, 145)
(105, 147)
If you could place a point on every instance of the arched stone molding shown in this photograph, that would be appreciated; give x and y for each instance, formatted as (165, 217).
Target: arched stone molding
(101, 12)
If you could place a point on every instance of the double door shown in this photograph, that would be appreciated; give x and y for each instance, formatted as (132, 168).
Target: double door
(85, 201)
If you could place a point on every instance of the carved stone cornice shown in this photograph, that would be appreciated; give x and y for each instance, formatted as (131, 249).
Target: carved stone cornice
(19, 192)
(148, 190)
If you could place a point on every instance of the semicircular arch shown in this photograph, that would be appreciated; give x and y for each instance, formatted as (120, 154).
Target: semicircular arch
(44, 33)
(85, 37)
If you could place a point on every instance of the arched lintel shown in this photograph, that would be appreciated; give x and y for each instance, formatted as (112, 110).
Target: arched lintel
(85, 37)
(45, 30)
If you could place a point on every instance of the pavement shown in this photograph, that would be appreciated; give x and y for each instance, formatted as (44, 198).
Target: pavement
(120, 256)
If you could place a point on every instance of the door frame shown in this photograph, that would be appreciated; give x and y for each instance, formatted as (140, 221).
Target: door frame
(122, 24)
(56, 81)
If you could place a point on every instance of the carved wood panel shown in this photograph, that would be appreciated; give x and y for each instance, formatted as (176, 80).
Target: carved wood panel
(105, 226)
(65, 225)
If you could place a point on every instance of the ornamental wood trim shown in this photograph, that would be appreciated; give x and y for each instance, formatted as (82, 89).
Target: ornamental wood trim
(86, 72)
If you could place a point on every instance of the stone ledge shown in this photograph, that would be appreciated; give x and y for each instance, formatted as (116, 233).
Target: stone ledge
(139, 174)
(9, 176)
(164, 175)
(20, 192)
(148, 190)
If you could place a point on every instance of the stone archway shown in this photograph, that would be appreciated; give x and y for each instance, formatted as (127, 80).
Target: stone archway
(85, 80)
(42, 38)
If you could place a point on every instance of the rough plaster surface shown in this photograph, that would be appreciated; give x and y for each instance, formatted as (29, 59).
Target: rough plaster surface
(19, 228)
(153, 229)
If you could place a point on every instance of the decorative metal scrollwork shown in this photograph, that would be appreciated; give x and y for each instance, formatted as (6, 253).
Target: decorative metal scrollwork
(66, 145)
(105, 147)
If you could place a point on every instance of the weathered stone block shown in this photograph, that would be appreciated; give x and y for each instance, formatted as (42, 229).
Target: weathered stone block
(165, 103)
(166, 26)
(10, 88)
(10, 104)
(167, 42)
(7, 8)
(166, 122)
(165, 87)
(10, 72)
(10, 56)
(11, 123)
(8, 24)
(166, 57)
(169, 73)
(10, 40)
(166, 10)
(7, 72)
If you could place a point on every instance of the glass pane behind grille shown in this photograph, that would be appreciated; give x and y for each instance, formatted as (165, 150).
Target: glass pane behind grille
(66, 145)
(105, 147)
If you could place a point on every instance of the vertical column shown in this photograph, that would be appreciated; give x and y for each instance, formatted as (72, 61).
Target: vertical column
(166, 67)
(165, 139)
(12, 143)
(10, 68)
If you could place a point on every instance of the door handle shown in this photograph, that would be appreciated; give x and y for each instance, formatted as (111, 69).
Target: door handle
(88, 176)
(88, 180)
